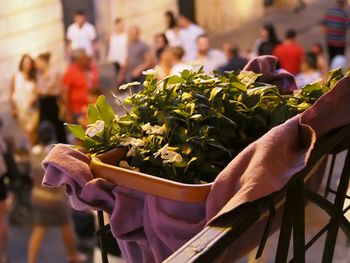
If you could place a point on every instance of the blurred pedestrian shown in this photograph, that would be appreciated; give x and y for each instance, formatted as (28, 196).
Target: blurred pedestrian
(310, 72)
(139, 58)
(172, 30)
(93, 95)
(49, 91)
(322, 63)
(21, 186)
(235, 61)
(338, 61)
(117, 45)
(80, 76)
(3, 208)
(290, 53)
(8, 172)
(178, 64)
(267, 41)
(208, 57)
(300, 5)
(50, 206)
(160, 44)
(23, 98)
(81, 35)
(188, 34)
(166, 61)
(335, 24)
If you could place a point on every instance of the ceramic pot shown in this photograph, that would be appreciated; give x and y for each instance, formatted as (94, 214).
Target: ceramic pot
(104, 166)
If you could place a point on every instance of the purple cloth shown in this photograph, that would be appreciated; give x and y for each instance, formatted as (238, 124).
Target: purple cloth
(146, 227)
(266, 65)
(150, 228)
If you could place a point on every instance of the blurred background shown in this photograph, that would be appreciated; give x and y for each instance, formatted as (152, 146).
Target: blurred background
(56, 56)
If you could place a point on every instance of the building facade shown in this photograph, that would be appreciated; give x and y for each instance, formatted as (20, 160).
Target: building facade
(28, 26)
(35, 26)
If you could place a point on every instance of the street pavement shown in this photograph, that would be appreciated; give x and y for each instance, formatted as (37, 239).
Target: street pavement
(306, 22)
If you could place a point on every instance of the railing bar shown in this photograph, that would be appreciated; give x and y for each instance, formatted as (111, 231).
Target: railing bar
(335, 192)
(286, 230)
(330, 174)
(101, 225)
(315, 237)
(346, 209)
(269, 224)
(338, 204)
(299, 222)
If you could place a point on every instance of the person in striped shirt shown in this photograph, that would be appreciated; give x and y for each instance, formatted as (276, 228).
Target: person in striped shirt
(335, 24)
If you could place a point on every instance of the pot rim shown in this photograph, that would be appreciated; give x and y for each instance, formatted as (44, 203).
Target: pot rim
(101, 167)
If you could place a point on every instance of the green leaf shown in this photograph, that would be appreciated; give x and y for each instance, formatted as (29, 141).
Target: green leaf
(182, 113)
(186, 74)
(239, 86)
(93, 114)
(105, 110)
(214, 92)
(77, 130)
(180, 164)
(220, 147)
(189, 163)
(175, 80)
(90, 143)
(248, 77)
(278, 116)
(196, 116)
(231, 122)
(126, 120)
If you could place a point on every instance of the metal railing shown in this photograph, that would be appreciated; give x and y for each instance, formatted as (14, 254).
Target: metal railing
(286, 206)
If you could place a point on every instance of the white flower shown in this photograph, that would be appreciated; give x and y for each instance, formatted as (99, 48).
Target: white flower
(156, 129)
(94, 129)
(128, 85)
(146, 127)
(172, 157)
(149, 72)
(124, 164)
(161, 151)
(134, 143)
(168, 156)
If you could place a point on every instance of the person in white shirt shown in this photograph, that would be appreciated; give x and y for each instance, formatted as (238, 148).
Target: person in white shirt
(172, 30)
(178, 64)
(188, 34)
(118, 45)
(310, 71)
(209, 58)
(81, 35)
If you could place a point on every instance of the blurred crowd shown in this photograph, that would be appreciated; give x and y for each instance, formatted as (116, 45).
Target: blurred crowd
(42, 99)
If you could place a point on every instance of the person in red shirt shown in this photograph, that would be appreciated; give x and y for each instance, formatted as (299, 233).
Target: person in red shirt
(80, 76)
(290, 54)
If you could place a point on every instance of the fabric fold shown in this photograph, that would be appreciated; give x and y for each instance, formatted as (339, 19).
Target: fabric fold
(266, 65)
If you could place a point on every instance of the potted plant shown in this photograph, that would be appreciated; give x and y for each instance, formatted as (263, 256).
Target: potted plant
(180, 132)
